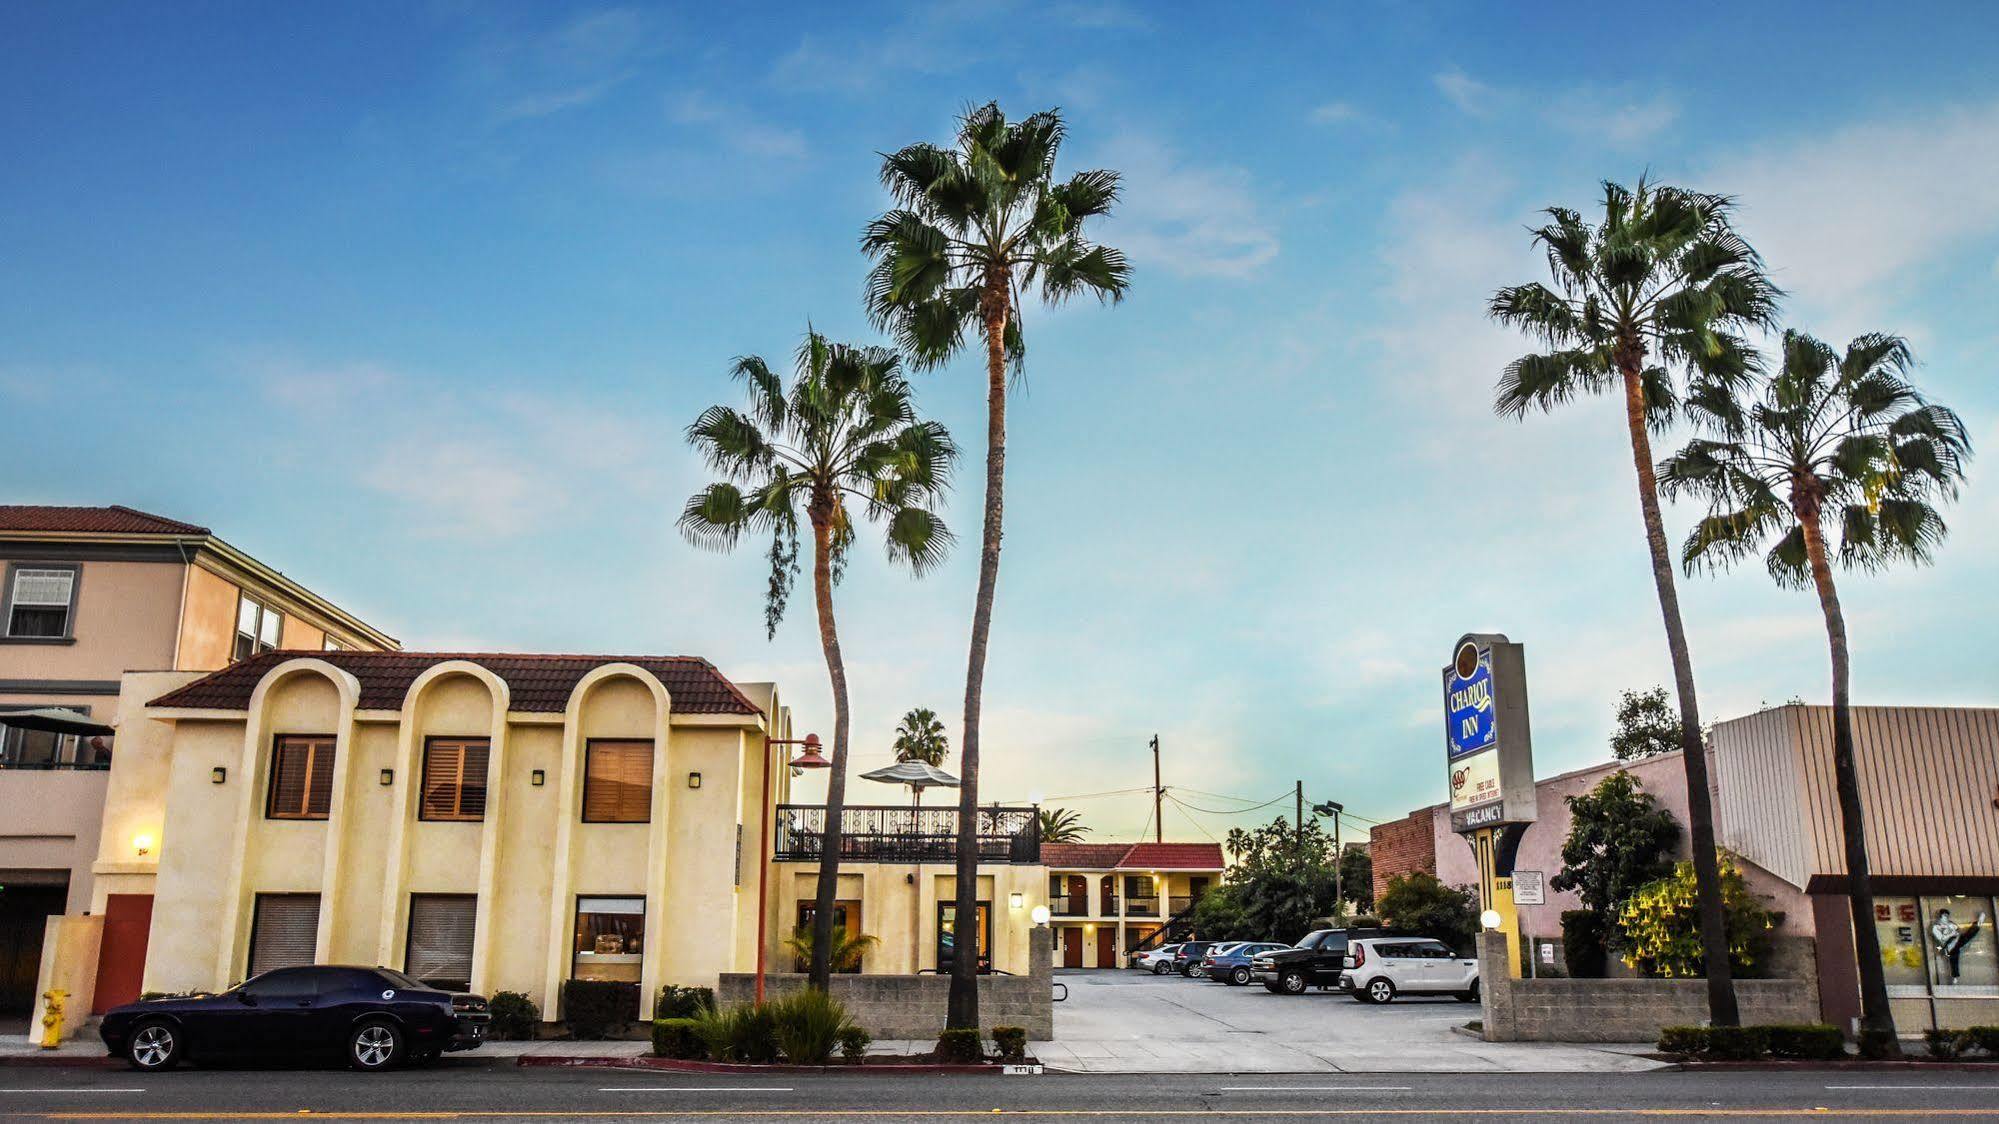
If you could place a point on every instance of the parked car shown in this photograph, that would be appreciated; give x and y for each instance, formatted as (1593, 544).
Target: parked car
(1230, 963)
(1379, 969)
(374, 1017)
(1315, 961)
(1158, 961)
(1187, 960)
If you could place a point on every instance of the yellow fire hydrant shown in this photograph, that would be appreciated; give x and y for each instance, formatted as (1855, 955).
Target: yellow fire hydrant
(52, 1018)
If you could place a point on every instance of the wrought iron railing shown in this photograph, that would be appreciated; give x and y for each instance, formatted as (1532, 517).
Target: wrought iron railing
(1176, 906)
(910, 835)
(1069, 905)
(1141, 905)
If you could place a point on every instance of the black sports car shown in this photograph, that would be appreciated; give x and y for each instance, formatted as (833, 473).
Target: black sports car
(374, 1017)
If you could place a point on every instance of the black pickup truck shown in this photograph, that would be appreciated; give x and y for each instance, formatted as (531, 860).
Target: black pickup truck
(1315, 961)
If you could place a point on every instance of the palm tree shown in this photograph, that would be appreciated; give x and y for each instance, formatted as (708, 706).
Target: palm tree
(1661, 283)
(920, 737)
(1839, 435)
(1060, 825)
(974, 227)
(843, 950)
(845, 432)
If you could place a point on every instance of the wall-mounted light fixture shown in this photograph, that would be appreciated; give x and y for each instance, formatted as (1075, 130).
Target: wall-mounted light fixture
(142, 843)
(537, 777)
(388, 777)
(694, 780)
(1016, 899)
(217, 775)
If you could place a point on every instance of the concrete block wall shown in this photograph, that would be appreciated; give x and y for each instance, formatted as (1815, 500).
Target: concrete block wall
(912, 1007)
(1619, 1010)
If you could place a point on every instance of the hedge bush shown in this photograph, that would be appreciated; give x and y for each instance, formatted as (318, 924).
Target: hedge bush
(678, 1038)
(1809, 1041)
(1011, 1042)
(516, 1018)
(1583, 950)
(1945, 1044)
(1683, 1041)
(854, 1042)
(598, 1008)
(1738, 1043)
(682, 1002)
(1985, 1038)
(960, 1044)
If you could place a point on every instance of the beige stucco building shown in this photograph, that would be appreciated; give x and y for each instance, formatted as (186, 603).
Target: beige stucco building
(1110, 900)
(507, 822)
(86, 594)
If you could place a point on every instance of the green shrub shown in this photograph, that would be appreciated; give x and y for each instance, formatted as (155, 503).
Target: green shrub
(516, 1018)
(1011, 1042)
(1583, 951)
(682, 1002)
(1985, 1038)
(854, 1042)
(1945, 1044)
(960, 1044)
(806, 1025)
(678, 1038)
(598, 1008)
(1738, 1043)
(1810, 1041)
(1879, 1044)
(738, 1034)
(1683, 1041)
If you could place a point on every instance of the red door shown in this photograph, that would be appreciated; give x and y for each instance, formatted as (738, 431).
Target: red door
(121, 955)
(1106, 947)
(1072, 948)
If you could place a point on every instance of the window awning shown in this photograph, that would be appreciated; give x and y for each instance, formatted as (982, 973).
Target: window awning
(54, 720)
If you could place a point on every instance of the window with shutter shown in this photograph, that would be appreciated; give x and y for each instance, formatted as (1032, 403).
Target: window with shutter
(39, 602)
(440, 939)
(284, 931)
(301, 777)
(617, 782)
(454, 779)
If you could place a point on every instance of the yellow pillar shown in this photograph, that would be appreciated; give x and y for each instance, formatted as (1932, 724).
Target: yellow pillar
(1496, 894)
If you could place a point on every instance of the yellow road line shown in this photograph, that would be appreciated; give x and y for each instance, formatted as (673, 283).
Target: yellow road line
(935, 1114)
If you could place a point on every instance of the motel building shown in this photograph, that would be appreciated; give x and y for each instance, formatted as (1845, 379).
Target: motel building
(1111, 900)
(502, 822)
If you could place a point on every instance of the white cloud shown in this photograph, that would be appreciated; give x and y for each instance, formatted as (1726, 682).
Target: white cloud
(528, 75)
(736, 127)
(1613, 118)
(1337, 113)
(1467, 93)
(1192, 220)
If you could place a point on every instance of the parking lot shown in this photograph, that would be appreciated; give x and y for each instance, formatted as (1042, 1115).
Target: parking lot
(1121, 1021)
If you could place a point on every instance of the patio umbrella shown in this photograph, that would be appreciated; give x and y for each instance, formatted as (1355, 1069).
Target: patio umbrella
(917, 775)
(58, 720)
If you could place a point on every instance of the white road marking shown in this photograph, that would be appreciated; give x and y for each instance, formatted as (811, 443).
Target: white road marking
(1315, 1088)
(697, 1089)
(60, 1089)
(1920, 1088)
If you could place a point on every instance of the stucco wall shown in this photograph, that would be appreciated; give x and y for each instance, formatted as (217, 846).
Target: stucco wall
(125, 613)
(49, 821)
(902, 914)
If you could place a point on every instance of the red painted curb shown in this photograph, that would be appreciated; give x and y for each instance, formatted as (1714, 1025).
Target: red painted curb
(676, 1065)
(1860, 1064)
(72, 1061)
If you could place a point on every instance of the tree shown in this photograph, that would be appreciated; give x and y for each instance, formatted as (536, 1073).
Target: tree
(1281, 881)
(974, 228)
(1840, 435)
(844, 433)
(1060, 825)
(920, 737)
(844, 949)
(1662, 284)
(1662, 932)
(1646, 726)
(1619, 839)
(1357, 876)
(1416, 904)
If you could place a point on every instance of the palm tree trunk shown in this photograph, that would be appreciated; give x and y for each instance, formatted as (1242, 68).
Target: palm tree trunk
(1875, 1014)
(836, 785)
(1722, 1009)
(963, 1010)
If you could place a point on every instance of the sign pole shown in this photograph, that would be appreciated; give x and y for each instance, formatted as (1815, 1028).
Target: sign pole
(1489, 756)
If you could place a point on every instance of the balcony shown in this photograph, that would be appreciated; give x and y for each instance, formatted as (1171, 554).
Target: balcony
(905, 835)
(1141, 905)
(1069, 905)
(1177, 906)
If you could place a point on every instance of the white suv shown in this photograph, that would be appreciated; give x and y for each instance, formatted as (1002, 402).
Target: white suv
(1378, 969)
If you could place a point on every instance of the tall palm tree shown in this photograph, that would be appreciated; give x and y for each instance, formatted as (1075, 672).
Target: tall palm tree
(920, 737)
(844, 433)
(974, 228)
(1844, 436)
(1662, 284)
(1062, 825)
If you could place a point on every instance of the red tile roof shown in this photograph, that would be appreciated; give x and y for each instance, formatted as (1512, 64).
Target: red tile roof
(535, 682)
(114, 520)
(1132, 856)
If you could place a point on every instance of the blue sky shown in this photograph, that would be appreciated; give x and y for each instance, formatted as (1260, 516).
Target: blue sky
(414, 302)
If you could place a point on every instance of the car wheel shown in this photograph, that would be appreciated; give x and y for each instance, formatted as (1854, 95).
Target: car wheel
(375, 1045)
(1293, 983)
(1239, 977)
(1158, 969)
(154, 1046)
(1380, 990)
(1471, 995)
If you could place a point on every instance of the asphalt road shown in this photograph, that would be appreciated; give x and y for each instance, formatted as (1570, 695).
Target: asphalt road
(491, 1090)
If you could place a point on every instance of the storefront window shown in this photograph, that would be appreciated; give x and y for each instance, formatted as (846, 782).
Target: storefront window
(610, 939)
(947, 913)
(1957, 934)
(1899, 930)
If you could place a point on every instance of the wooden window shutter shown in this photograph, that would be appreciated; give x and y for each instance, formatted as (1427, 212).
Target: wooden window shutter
(301, 778)
(285, 931)
(440, 939)
(617, 782)
(454, 779)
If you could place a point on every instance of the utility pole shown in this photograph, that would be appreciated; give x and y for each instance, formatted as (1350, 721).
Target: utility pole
(1299, 823)
(1158, 793)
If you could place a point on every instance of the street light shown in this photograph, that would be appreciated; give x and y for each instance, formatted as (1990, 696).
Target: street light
(1333, 808)
(809, 759)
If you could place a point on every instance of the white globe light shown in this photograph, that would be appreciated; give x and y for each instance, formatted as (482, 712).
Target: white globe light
(1040, 915)
(1490, 919)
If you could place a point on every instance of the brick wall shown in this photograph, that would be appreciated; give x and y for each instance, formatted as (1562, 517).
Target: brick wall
(1408, 844)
